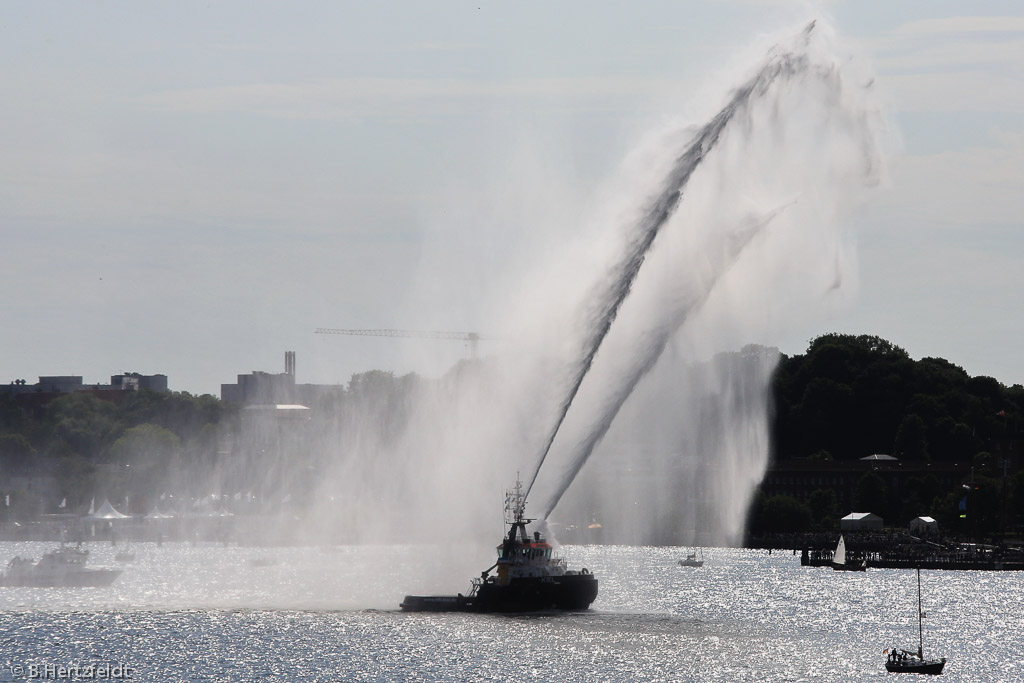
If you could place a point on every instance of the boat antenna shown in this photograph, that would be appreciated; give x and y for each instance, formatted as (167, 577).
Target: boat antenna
(515, 503)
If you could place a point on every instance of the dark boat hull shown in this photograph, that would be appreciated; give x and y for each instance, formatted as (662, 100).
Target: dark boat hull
(931, 667)
(569, 592)
(439, 603)
(88, 578)
(856, 566)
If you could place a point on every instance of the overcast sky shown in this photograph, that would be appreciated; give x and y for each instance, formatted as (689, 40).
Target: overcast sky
(191, 188)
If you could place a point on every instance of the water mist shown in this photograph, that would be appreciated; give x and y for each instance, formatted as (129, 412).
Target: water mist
(627, 392)
(754, 194)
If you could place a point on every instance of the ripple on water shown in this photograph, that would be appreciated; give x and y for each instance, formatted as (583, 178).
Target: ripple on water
(200, 613)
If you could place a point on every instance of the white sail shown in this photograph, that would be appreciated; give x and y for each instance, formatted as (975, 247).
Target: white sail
(840, 554)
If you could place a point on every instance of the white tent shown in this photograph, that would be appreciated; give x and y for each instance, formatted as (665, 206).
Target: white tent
(106, 511)
(860, 521)
(155, 513)
(880, 457)
(923, 525)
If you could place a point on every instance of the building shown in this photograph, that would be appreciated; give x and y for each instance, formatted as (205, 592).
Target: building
(273, 418)
(263, 388)
(799, 478)
(130, 381)
(35, 397)
(69, 384)
(260, 388)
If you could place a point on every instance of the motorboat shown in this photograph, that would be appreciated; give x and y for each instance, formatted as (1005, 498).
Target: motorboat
(693, 559)
(63, 567)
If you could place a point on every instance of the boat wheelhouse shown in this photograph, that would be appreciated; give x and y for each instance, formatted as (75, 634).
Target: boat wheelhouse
(528, 577)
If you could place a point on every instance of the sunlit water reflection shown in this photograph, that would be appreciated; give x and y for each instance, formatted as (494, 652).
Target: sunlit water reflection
(210, 613)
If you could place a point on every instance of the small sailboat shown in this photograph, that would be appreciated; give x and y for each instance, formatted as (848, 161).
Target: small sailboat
(841, 563)
(904, 661)
(694, 559)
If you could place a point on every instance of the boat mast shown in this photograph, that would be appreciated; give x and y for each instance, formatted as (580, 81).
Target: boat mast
(920, 619)
(515, 512)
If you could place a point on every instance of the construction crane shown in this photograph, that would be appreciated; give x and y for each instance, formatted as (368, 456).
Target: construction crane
(471, 338)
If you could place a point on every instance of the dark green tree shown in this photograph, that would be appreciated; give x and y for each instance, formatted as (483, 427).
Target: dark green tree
(86, 424)
(824, 506)
(911, 439)
(871, 495)
(16, 451)
(780, 514)
(917, 495)
(13, 419)
(142, 457)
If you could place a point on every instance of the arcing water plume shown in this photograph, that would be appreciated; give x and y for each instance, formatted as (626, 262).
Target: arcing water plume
(734, 235)
(761, 149)
(644, 358)
(785, 67)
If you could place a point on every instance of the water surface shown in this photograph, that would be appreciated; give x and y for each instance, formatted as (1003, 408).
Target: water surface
(206, 613)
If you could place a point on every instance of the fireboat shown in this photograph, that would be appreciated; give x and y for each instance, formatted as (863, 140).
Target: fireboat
(529, 578)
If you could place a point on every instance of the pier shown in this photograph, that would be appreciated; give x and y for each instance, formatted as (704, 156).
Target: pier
(899, 550)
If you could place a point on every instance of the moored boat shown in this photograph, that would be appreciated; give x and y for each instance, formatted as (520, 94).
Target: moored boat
(528, 576)
(60, 568)
(907, 662)
(693, 559)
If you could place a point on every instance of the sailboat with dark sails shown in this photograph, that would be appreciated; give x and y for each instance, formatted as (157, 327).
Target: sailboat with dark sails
(907, 662)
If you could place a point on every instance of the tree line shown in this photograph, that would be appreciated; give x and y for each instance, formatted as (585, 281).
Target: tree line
(135, 450)
(846, 397)
(97, 447)
(851, 396)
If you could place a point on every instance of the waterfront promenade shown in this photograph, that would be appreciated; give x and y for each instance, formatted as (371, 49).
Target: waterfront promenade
(896, 549)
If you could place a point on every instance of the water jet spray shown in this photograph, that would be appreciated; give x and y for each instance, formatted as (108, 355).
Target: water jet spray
(780, 64)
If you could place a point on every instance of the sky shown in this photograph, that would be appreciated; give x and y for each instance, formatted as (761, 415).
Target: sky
(192, 188)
